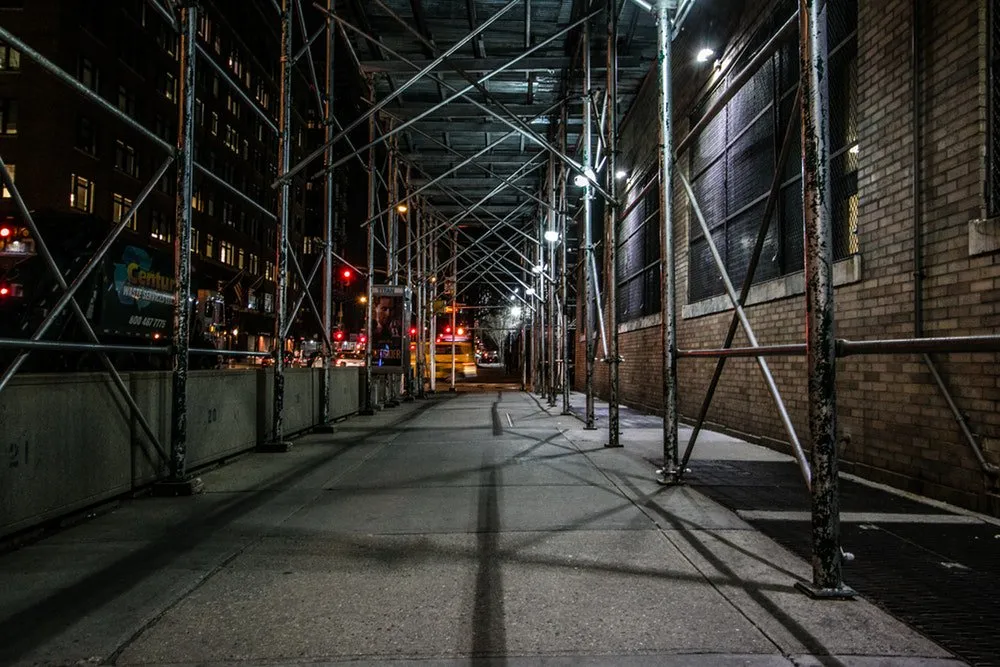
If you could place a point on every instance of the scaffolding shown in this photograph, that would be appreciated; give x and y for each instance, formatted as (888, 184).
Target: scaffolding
(534, 270)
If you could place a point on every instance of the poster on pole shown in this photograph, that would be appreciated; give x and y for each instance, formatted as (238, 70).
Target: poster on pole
(390, 339)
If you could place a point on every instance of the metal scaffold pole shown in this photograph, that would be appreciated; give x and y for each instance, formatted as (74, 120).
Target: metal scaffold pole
(454, 304)
(821, 359)
(421, 301)
(178, 482)
(668, 326)
(278, 443)
(539, 365)
(553, 338)
(566, 341)
(409, 388)
(368, 404)
(432, 257)
(328, 355)
(611, 222)
(588, 236)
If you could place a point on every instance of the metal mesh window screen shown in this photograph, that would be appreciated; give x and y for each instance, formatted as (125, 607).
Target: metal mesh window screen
(993, 145)
(639, 250)
(733, 160)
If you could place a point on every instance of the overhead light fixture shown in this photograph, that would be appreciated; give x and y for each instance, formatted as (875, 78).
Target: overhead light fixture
(538, 268)
(515, 311)
(621, 174)
(854, 150)
(402, 208)
(704, 55)
(530, 291)
(551, 235)
(580, 180)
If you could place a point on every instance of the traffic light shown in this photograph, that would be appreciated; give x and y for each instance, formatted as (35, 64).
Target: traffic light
(346, 274)
(362, 339)
(413, 331)
(338, 335)
(15, 240)
(447, 329)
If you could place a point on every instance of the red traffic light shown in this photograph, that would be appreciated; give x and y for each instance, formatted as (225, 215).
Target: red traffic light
(447, 330)
(338, 335)
(6, 231)
(346, 274)
(4, 290)
(413, 331)
(362, 338)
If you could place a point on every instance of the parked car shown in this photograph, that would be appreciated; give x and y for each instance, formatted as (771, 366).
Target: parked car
(350, 359)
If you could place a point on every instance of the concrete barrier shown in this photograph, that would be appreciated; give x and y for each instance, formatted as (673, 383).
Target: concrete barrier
(69, 441)
(65, 444)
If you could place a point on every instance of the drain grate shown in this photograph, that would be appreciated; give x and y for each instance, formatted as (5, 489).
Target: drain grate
(941, 579)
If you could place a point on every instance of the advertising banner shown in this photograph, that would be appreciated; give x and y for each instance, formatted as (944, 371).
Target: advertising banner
(140, 297)
(390, 342)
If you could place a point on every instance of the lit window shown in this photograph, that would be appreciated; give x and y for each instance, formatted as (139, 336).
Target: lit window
(240, 257)
(209, 246)
(10, 59)
(6, 192)
(81, 194)
(8, 117)
(226, 252)
(195, 241)
(120, 207)
(215, 123)
(198, 202)
(169, 88)
(159, 228)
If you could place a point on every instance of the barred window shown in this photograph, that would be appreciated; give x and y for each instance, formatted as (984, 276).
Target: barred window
(81, 194)
(733, 160)
(639, 250)
(993, 85)
(121, 205)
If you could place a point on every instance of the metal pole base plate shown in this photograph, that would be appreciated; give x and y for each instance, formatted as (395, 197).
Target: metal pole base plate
(669, 477)
(172, 489)
(274, 447)
(608, 445)
(589, 428)
(816, 593)
(566, 413)
(324, 428)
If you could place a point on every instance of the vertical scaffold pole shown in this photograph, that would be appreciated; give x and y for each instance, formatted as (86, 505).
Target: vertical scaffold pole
(277, 442)
(454, 304)
(178, 482)
(566, 339)
(368, 407)
(668, 326)
(611, 222)
(329, 354)
(553, 338)
(588, 236)
(821, 358)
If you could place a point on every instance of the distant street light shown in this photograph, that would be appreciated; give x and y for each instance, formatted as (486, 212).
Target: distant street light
(551, 235)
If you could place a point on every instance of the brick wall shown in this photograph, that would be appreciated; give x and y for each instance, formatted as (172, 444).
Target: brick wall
(894, 424)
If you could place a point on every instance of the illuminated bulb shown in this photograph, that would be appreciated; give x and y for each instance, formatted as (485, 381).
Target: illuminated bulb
(551, 235)
(704, 55)
(402, 208)
(621, 174)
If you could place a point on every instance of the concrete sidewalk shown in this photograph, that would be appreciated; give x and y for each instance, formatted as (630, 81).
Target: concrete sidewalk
(471, 529)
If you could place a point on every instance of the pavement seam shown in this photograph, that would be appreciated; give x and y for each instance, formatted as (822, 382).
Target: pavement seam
(664, 534)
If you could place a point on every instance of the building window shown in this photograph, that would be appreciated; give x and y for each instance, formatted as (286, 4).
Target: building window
(120, 206)
(159, 228)
(8, 117)
(732, 161)
(198, 201)
(125, 159)
(86, 135)
(639, 250)
(126, 101)
(226, 252)
(168, 86)
(240, 258)
(5, 193)
(205, 27)
(88, 74)
(254, 264)
(81, 194)
(269, 270)
(195, 241)
(227, 213)
(215, 87)
(215, 124)
(993, 102)
(199, 112)
(10, 59)
(209, 246)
